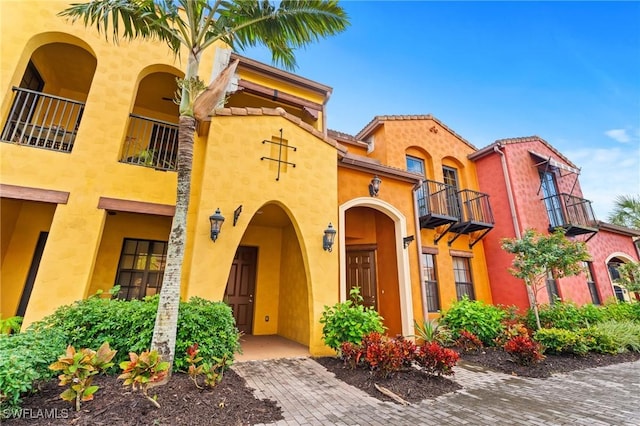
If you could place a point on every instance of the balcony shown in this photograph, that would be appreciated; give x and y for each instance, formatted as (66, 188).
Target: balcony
(42, 121)
(475, 212)
(437, 204)
(462, 212)
(151, 143)
(573, 214)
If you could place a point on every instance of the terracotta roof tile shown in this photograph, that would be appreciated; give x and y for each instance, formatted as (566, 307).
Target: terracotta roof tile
(533, 138)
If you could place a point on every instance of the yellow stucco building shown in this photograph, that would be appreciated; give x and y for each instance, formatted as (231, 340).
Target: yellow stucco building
(87, 187)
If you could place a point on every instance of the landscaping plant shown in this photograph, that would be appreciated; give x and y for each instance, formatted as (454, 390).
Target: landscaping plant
(524, 350)
(10, 325)
(468, 341)
(78, 369)
(144, 370)
(538, 254)
(25, 358)
(385, 355)
(212, 372)
(349, 321)
(434, 359)
(474, 316)
(558, 341)
(624, 334)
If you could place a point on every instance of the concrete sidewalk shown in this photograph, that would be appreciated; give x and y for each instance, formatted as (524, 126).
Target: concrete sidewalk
(310, 395)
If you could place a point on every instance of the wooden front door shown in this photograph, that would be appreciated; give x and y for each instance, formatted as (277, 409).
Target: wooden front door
(361, 272)
(241, 287)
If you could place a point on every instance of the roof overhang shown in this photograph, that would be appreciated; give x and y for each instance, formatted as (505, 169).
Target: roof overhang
(545, 159)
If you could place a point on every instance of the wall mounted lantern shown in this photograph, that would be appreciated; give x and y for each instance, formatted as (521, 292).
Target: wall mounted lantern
(216, 220)
(407, 240)
(329, 236)
(374, 186)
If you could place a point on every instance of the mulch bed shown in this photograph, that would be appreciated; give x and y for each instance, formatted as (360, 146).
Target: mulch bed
(230, 403)
(411, 384)
(498, 360)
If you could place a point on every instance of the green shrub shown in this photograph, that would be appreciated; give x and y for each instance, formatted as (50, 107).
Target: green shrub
(10, 325)
(128, 326)
(591, 314)
(558, 341)
(564, 315)
(349, 321)
(624, 334)
(431, 331)
(25, 358)
(620, 311)
(599, 340)
(476, 317)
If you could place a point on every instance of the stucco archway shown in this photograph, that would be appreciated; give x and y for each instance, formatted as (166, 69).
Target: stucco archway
(402, 257)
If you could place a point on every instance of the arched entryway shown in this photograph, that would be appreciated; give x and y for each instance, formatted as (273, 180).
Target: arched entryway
(372, 257)
(267, 286)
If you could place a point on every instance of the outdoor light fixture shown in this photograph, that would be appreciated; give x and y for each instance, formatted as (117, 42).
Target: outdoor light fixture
(329, 236)
(374, 186)
(236, 214)
(216, 220)
(407, 240)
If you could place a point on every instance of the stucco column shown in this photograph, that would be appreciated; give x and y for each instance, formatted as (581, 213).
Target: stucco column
(69, 256)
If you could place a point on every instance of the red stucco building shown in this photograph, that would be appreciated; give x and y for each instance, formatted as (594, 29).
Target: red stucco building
(533, 186)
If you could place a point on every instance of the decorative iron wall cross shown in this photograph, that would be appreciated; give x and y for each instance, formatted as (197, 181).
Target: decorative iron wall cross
(280, 144)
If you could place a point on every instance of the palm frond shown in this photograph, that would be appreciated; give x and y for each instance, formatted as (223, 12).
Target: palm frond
(129, 19)
(294, 24)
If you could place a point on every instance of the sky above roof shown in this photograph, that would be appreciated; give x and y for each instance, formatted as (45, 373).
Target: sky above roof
(568, 72)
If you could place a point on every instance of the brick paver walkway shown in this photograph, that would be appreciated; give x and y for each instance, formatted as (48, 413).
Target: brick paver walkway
(309, 395)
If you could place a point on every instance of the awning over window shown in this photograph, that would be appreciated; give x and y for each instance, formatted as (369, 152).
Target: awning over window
(552, 163)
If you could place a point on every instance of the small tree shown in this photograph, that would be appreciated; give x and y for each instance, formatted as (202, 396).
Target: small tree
(630, 276)
(538, 254)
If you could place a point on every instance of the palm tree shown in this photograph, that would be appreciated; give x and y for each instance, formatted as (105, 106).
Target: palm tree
(626, 211)
(192, 26)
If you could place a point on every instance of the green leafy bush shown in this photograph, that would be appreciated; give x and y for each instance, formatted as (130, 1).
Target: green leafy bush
(476, 317)
(621, 311)
(600, 340)
(591, 314)
(564, 315)
(10, 325)
(431, 331)
(128, 326)
(558, 341)
(624, 334)
(349, 321)
(25, 358)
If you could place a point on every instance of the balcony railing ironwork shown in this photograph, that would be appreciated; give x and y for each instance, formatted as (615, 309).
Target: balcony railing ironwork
(42, 121)
(573, 214)
(151, 143)
(437, 204)
(475, 212)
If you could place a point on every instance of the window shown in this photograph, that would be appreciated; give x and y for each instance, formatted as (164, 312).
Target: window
(451, 180)
(552, 288)
(462, 276)
(415, 165)
(551, 199)
(431, 282)
(141, 268)
(593, 290)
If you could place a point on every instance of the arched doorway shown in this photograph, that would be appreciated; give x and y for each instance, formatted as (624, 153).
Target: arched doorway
(373, 258)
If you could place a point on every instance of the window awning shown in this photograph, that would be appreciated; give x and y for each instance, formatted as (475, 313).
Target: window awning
(553, 163)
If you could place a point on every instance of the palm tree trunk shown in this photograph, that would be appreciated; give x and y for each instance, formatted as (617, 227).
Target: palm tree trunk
(165, 330)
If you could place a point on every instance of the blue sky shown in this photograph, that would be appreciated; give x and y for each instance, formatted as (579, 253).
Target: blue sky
(568, 72)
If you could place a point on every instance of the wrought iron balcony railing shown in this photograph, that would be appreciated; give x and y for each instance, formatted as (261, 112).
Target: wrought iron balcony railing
(573, 214)
(475, 212)
(437, 204)
(42, 121)
(151, 143)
